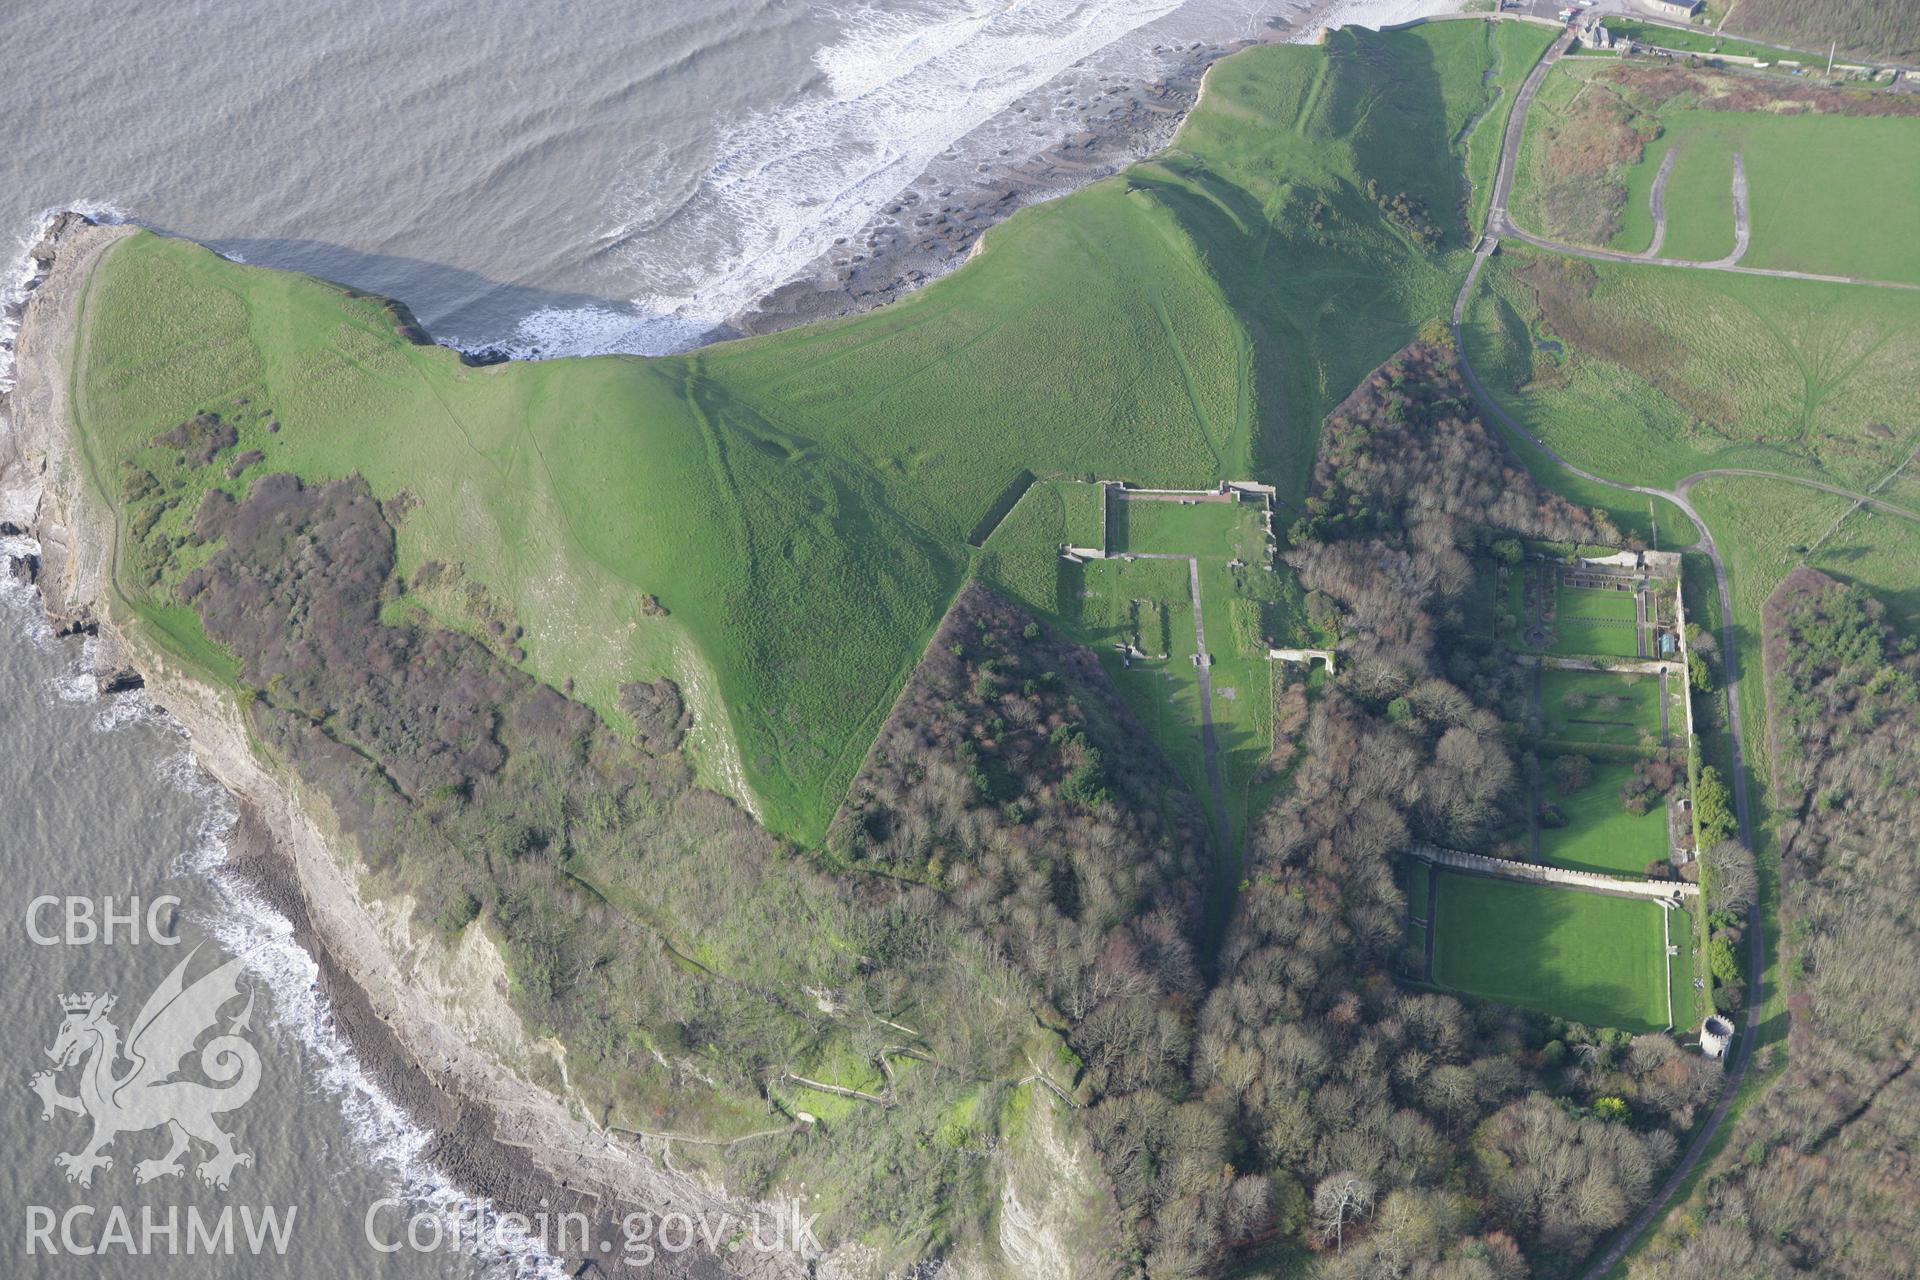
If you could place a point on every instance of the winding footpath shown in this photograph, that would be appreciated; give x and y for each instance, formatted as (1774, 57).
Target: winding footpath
(1498, 223)
(1500, 220)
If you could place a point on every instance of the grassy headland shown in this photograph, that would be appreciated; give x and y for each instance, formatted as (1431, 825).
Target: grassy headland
(778, 523)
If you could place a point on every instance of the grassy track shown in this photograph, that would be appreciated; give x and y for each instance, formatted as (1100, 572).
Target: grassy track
(800, 504)
(1689, 1005)
(1583, 956)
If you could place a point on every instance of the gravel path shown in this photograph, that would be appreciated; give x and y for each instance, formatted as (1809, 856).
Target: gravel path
(1657, 203)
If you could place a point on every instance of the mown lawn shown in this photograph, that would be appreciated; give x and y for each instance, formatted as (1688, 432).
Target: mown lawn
(1584, 956)
(1599, 707)
(1154, 526)
(1593, 620)
(1600, 835)
(1083, 508)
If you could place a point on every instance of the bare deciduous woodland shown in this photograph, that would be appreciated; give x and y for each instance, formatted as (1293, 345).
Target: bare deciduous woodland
(1819, 1175)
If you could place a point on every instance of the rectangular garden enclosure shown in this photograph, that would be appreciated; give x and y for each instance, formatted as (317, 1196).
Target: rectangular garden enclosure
(1589, 957)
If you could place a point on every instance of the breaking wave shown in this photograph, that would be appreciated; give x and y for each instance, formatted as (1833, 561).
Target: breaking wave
(246, 925)
(895, 93)
(250, 928)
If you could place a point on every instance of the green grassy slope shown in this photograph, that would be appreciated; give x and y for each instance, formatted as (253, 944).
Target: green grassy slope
(800, 503)
(571, 490)
(1649, 373)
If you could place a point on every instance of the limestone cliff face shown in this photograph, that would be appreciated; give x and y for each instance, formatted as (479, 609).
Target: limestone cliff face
(452, 1052)
(431, 1020)
(1053, 1206)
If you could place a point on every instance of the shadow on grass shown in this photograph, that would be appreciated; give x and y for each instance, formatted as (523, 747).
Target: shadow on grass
(450, 302)
(1517, 943)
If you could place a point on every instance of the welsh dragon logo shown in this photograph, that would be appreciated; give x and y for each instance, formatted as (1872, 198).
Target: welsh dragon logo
(146, 1094)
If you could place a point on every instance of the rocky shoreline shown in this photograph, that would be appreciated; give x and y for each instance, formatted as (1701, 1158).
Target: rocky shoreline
(499, 1136)
(936, 224)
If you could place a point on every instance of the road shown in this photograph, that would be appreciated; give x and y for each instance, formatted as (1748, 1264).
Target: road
(1497, 223)
(1742, 225)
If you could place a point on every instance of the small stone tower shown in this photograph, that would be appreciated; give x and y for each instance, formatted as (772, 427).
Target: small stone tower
(1715, 1035)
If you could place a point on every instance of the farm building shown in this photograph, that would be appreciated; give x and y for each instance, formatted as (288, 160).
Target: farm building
(1674, 8)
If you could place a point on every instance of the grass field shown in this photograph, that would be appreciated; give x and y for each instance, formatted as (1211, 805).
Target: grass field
(1083, 508)
(1602, 707)
(1884, 552)
(1226, 529)
(1663, 372)
(801, 503)
(1594, 620)
(1600, 835)
(1583, 956)
(1699, 201)
(1699, 198)
(1828, 194)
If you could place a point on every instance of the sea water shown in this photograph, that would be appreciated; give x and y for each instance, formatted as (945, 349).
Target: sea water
(557, 176)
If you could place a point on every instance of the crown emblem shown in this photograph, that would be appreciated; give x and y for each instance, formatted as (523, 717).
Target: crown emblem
(77, 1003)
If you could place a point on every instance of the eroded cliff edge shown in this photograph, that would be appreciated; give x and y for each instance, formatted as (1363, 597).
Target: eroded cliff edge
(448, 1049)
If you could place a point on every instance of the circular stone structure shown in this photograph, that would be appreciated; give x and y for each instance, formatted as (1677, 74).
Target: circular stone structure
(1715, 1035)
